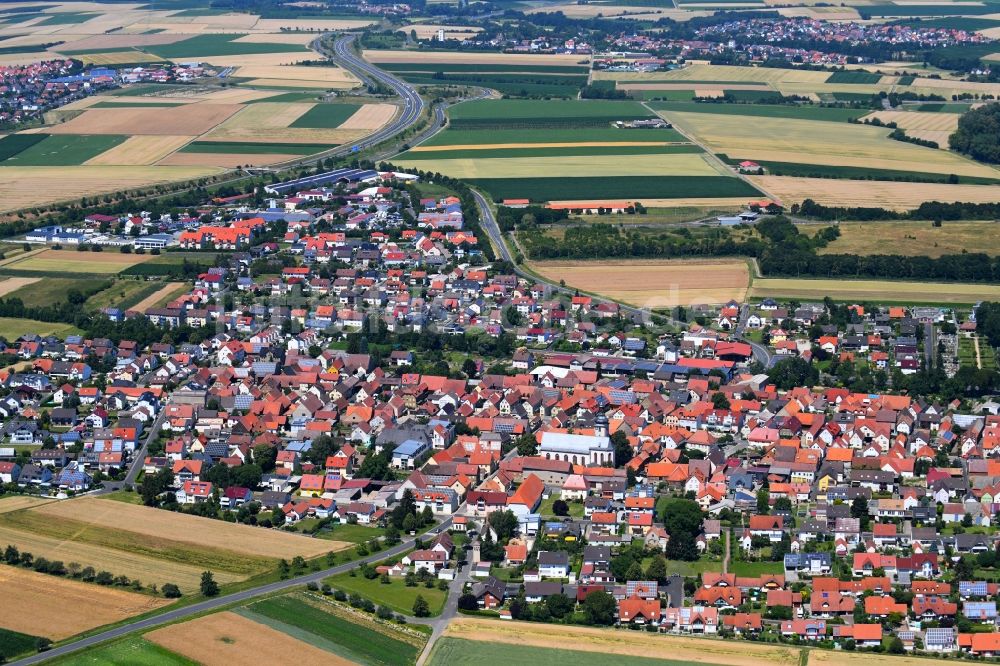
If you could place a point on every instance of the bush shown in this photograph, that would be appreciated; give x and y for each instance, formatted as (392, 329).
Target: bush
(312, 586)
(171, 591)
(340, 595)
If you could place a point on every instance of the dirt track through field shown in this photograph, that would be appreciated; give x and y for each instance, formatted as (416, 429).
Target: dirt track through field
(226, 638)
(633, 643)
(40, 604)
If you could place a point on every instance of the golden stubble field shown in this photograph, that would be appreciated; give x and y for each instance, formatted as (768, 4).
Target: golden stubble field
(445, 57)
(665, 164)
(140, 150)
(227, 638)
(845, 289)
(40, 604)
(189, 529)
(632, 643)
(874, 193)
(192, 119)
(653, 283)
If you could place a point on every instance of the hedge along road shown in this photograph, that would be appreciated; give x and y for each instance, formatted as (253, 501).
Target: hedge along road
(223, 601)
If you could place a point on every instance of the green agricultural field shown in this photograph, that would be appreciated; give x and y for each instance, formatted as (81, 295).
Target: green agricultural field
(395, 595)
(831, 114)
(939, 107)
(123, 294)
(329, 627)
(497, 114)
(326, 116)
(550, 151)
(448, 68)
(12, 144)
(13, 643)
(943, 9)
(461, 652)
(854, 76)
(204, 46)
(53, 290)
(12, 329)
(629, 188)
(522, 85)
(470, 137)
(287, 97)
(243, 148)
(861, 173)
(664, 95)
(64, 150)
(132, 651)
(954, 23)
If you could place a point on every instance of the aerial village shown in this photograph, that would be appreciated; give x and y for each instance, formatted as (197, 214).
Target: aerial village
(355, 349)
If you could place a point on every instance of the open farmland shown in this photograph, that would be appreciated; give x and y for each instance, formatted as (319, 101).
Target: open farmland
(35, 603)
(922, 125)
(9, 286)
(131, 651)
(569, 150)
(64, 150)
(912, 238)
(879, 291)
(22, 187)
(140, 150)
(673, 649)
(884, 194)
(226, 638)
(164, 294)
(196, 119)
(152, 523)
(653, 283)
(71, 261)
(12, 329)
(843, 658)
(473, 58)
(821, 143)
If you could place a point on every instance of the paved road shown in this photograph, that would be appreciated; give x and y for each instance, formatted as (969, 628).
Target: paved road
(218, 602)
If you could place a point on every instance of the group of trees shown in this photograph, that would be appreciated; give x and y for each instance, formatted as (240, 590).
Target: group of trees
(978, 134)
(682, 520)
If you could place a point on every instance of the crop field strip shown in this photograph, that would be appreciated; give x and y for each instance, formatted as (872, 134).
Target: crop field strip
(647, 164)
(568, 150)
(884, 194)
(36, 603)
(565, 135)
(804, 112)
(617, 188)
(226, 638)
(130, 651)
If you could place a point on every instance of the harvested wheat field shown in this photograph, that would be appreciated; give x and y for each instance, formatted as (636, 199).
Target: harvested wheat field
(57, 608)
(370, 117)
(140, 150)
(284, 135)
(317, 24)
(120, 40)
(285, 72)
(190, 529)
(911, 238)
(16, 502)
(712, 92)
(76, 262)
(228, 160)
(265, 116)
(232, 95)
(7, 286)
(653, 283)
(226, 638)
(918, 120)
(449, 57)
(117, 58)
(819, 142)
(194, 119)
(665, 164)
(21, 187)
(300, 38)
(873, 193)
(638, 644)
(874, 290)
(714, 203)
(149, 570)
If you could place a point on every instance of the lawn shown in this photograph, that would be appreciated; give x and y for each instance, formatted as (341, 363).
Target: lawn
(395, 595)
(11, 329)
(755, 568)
(13, 643)
(368, 643)
(326, 116)
(132, 651)
(64, 150)
(630, 188)
(202, 46)
(575, 508)
(804, 112)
